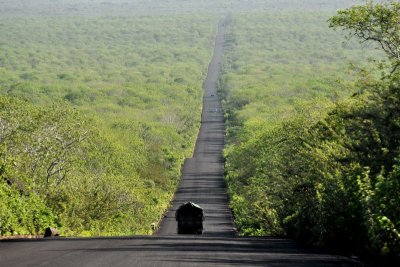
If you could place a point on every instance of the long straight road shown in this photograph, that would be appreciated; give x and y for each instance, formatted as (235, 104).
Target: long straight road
(202, 182)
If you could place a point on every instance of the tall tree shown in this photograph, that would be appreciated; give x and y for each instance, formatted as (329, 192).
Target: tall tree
(377, 23)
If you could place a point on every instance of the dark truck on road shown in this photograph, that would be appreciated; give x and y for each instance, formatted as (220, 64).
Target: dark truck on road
(190, 217)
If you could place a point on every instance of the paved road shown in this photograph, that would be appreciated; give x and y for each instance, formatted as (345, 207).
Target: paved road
(202, 182)
(164, 251)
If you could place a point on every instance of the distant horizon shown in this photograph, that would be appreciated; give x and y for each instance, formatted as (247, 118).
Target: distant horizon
(158, 7)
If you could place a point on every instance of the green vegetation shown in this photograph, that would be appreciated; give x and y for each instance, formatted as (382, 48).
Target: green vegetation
(98, 109)
(320, 165)
(276, 61)
(97, 116)
(155, 7)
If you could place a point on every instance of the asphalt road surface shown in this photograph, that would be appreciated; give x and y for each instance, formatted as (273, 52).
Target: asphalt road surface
(202, 182)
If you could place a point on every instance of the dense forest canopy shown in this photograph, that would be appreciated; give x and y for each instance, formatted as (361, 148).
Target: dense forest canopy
(157, 7)
(323, 170)
(101, 100)
(130, 87)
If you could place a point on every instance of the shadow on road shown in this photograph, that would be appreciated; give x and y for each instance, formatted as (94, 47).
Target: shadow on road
(202, 182)
(185, 251)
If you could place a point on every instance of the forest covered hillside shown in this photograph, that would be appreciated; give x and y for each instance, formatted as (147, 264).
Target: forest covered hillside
(158, 7)
(101, 100)
(313, 144)
(98, 114)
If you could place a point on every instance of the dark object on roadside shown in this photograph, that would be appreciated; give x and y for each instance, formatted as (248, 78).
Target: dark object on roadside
(51, 232)
(9, 182)
(190, 217)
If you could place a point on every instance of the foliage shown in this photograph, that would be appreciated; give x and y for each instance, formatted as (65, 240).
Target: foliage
(320, 166)
(117, 8)
(39, 146)
(329, 182)
(375, 23)
(23, 214)
(137, 80)
(277, 62)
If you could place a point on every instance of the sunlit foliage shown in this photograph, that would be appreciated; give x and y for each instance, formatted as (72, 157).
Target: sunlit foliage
(313, 150)
(97, 118)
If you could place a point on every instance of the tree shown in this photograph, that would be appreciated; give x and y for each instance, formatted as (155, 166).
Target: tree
(41, 144)
(373, 23)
